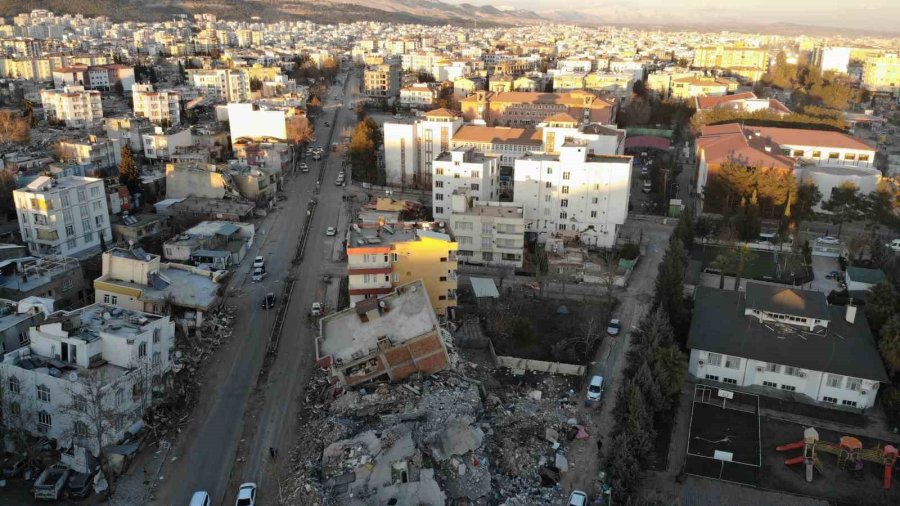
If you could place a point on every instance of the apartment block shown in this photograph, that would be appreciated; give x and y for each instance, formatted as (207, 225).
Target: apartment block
(59, 279)
(96, 152)
(488, 233)
(463, 169)
(882, 72)
(160, 107)
(383, 256)
(229, 85)
(128, 130)
(749, 62)
(381, 82)
(574, 194)
(162, 144)
(523, 109)
(94, 77)
(63, 216)
(73, 105)
(98, 354)
(410, 147)
(390, 337)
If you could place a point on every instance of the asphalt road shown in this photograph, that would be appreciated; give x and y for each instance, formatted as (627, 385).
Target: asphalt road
(238, 417)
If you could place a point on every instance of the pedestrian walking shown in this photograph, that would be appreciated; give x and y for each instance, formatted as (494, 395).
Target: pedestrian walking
(272, 453)
(599, 446)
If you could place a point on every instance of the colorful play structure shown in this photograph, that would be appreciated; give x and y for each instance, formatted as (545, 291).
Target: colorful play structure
(850, 453)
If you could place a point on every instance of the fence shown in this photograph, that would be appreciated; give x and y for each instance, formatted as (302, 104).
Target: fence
(540, 366)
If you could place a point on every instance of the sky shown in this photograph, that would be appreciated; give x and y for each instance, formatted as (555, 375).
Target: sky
(859, 14)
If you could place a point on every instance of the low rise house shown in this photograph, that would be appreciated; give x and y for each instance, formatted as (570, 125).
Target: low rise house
(17, 317)
(417, 96)
(186, 212)
(128, 130)
(785, 341)
(390, 337)
(134, 279)
(60, 279)
(743, 102)
(488, 233)
(133, 228)
(219, 244)
(93, 367)
(860, 280)
(162, 143)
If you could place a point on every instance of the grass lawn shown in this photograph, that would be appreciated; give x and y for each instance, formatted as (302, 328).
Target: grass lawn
(761, 268)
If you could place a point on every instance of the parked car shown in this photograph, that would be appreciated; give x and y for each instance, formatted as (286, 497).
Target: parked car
(578, 498)
(614, 327)
(51, 482)
(13, 465)
(647, 187)
(339, 181)
(595, 388)
(258, 274)
(894, 245)
(316, 309)
(246, 495)
(268, 301)
(259, 262)
(828, 240)
(327, 124)
(200, 499)
(833, 275)
(304, 167)
(330, 231)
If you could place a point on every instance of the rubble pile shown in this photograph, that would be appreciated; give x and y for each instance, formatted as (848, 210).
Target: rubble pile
(439, 439)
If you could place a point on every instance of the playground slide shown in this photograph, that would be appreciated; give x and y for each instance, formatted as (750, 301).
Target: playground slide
(794, 461)
(790, 446)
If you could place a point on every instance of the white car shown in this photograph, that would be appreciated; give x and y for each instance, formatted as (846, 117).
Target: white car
(894, 245)
(258, 274)
(246, 495)
(614, 327)
(595, 389)
(304, 167)
(578, 498)
(828, 240)
(330, 231)
(259, 263)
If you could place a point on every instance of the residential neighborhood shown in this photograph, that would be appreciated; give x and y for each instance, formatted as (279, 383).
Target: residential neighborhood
(306, 253)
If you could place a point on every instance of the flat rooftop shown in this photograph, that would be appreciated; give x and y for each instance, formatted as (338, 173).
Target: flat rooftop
(407, 314)
(180, 286)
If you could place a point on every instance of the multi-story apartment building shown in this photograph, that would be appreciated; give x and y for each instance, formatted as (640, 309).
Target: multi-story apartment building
(160, 107)
(73, 105)
(63, 216)
(264, 121)
(94, 77)
(748, 62)
(410, 147)
(690, 87)
(785, 340)
(462, 169)
(488, 233)
(523, 109)
(417, 96)
(95, 152)
(394, 336)
(161, 144)
(574, 193)
(229, 85)
(128, 130)
(617, 84)
(882, 72)
(92, 367)
(831, 59)
(507, 143)
(381, 82)
(382, 256)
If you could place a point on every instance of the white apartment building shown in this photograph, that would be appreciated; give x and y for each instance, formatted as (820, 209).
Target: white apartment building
(488, 233)
(230, 85)
(63, 216)
(73, 106)
(417, 96)
(95, 365)
(462, 170)
(411, 147)
(160, 107)
(97, 152)
(161, 144)
(787, 342)
(574, 193)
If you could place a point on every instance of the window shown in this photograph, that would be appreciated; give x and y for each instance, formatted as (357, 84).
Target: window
(564, 203)
(854, 384)
(157, 359)
(562, 226)
(45, 420)
(97, 205)
(563, 216)
(438, 171)
(548, 185)
(593, 214)
(395, 257)
(546, 198)
(732, 362)
(834, 156)
(438, 184)
(789, 388)
(712, 377)
(770, 384)
(863, 158)
(438, 196)
(798, 152)
(142, 350)
(850, 156)
(730, 381)
(475, 186)
(15, 386)
(70, 230)
(15, 409)
(773, 368)
(596, 186)
(595, 200)
(64, 196)
(835, 380)
(566, 175)
(565, 189)
(80, 428)
(43, 392)
(817, 154)
(120, 397)
(98, 220)
(476, 173)
(549, 170)
(852, 404)
(86, 224)
(830, 400)
(714, 359)
(792, 371)
(439, 210)
(81, 195)
(80, 404)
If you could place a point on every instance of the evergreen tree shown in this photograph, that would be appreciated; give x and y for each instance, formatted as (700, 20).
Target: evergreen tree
(881, 304)
(669, 290)
(670, 369)
(889, 344)
(845, 204)
(684, 230)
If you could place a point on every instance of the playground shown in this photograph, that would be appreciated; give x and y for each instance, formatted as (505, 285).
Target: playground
(723, 441)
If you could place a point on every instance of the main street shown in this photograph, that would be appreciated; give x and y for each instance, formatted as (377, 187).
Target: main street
(238, 417)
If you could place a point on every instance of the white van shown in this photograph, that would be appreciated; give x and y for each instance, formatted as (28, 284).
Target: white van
(894, 245)
(200, 499)
(647, 186)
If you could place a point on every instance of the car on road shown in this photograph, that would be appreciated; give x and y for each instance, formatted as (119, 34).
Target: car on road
(317, 156)
(578, 498)
(330, 231)
(595, 388)
(258, 274)
(201, 499)
(304, 167)
(614, 327)
(316, 309)
(894, 245)
(259, 262)
(833, 275)
(339, 181)
(647, 187)
(327, 124)
(246, 495)
(268, 301)
(645, 171)
(828, 240)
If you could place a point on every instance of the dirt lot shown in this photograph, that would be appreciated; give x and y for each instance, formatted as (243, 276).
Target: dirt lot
(838, 486)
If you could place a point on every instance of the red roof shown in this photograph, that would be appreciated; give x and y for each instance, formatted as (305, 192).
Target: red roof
(722, 143)
(812, 138)
(648, 141)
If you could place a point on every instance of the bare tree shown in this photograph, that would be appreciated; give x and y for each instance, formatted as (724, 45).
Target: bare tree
(14, 128)
(580, 345)
(18, 411)
(93, 410)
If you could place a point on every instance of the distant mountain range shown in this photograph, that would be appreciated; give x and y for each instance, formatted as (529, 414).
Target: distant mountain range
(433, 12)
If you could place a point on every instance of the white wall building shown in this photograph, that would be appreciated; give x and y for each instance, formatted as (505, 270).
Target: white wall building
(411, 147)
(488, 233)
(417, 96)
(63, 216)
(574, 193)
(161, 144)
(160, 107)
(787, 342)
(230, 85)
(245, 120)
(95, 365)
(834, 59)
(462, 170)
(73, 106)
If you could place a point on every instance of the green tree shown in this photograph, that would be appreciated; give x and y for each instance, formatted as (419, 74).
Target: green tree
(880, 206)
(670, 368)
(882, 303)
(808, 197)
(669, 288)
(744, 255)
(889, 344)
(703, 228)
(622, 465)
(684, 230)
(15, 128)
(846, 204)
(119, 89)
(129, 175)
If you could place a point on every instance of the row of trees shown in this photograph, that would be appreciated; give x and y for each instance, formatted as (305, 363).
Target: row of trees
(363, 151)
(15, 128)
(811, 87)
(813, 118)
(305, 68)
(763, 192)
